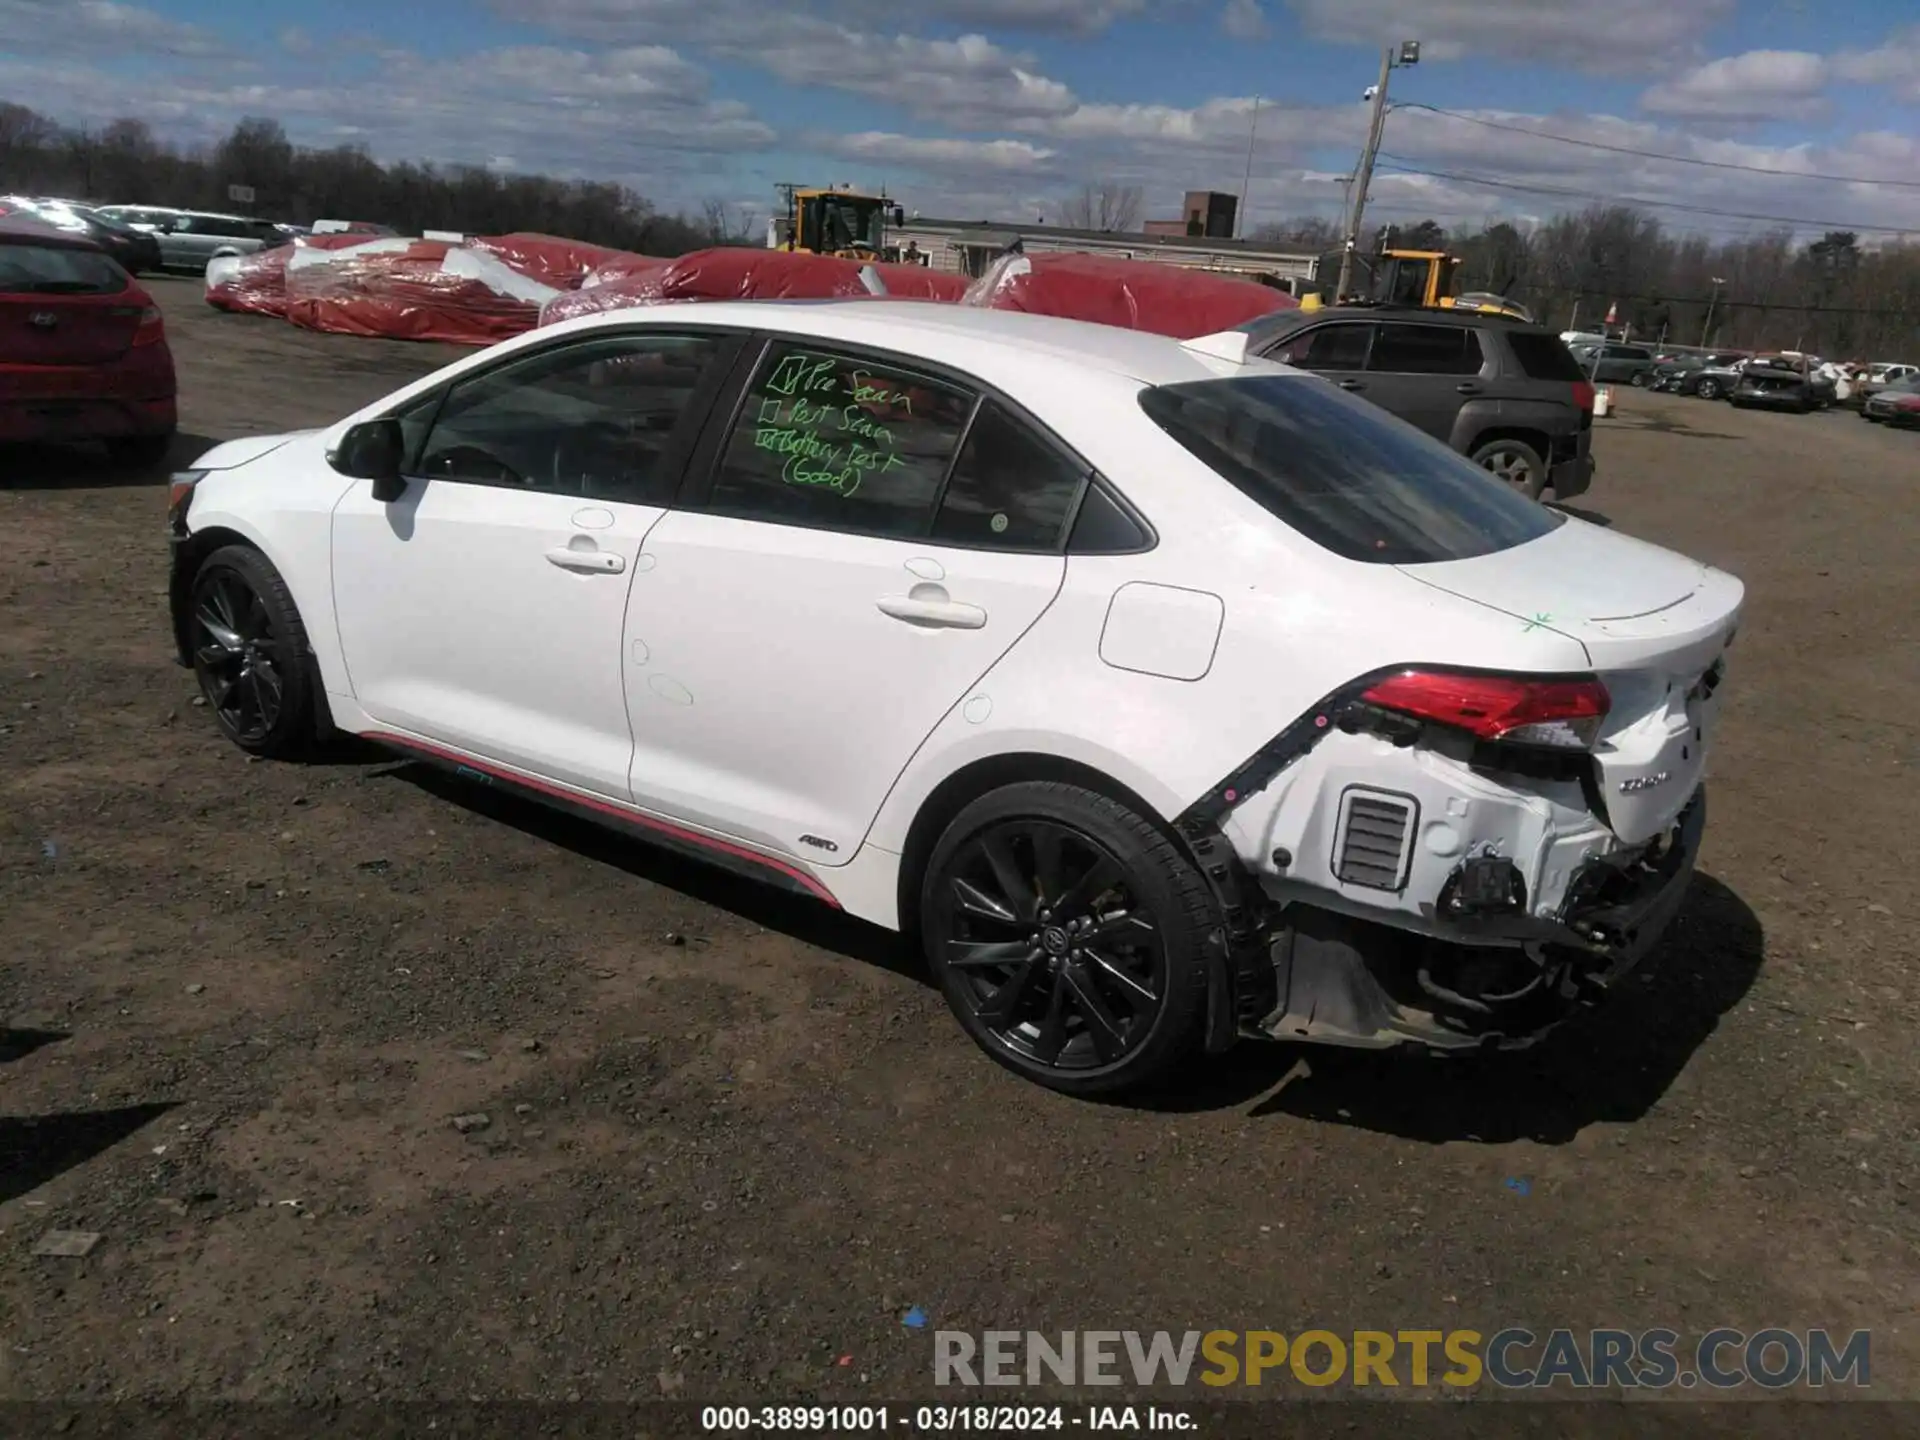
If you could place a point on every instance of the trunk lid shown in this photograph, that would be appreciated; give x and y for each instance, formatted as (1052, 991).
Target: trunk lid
(1655, 626)
(62, 303)
(66, 329)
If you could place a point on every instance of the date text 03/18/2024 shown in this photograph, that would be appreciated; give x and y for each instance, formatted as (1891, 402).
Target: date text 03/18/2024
(940, 1419)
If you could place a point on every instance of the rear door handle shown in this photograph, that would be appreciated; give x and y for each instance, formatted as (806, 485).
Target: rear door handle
(1468, 388)
(946, 614)
(587, 562)
(1353, 384)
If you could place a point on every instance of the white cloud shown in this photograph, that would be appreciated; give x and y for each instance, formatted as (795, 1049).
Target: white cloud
(1244, 20)
(1625, 36)
(1071, 17)
(98, 29)
(943, 157)
(1895, 64)
(965, 82)
(1759, 85)
(639, 110)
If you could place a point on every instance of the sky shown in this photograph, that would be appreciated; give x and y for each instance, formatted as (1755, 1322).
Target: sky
(1003, 109)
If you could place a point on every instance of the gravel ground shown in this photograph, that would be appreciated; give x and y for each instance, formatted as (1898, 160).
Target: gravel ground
(731, 1138)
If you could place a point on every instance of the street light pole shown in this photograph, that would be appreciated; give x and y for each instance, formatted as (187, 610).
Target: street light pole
(1406, 53)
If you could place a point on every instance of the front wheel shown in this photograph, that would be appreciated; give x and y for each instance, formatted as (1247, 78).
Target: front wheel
(1638, 380)
(1515, 462)
(1708, 390)
(249, 654)
(1068, 934)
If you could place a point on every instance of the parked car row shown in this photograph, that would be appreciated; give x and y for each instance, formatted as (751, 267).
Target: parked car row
(1896, 404)
(188, 239)
(137, 252)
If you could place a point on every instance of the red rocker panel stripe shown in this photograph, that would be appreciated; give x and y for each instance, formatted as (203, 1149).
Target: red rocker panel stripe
(607, 807)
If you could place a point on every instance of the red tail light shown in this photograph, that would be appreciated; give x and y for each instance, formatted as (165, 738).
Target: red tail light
(152, 328)
(1509, 708)
(1583, 395)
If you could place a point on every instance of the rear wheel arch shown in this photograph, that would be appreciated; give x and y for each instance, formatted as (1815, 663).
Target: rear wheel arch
(981, 777)
(1537, 440)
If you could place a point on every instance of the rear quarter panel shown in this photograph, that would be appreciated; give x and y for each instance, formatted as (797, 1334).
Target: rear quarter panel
(1299, 623)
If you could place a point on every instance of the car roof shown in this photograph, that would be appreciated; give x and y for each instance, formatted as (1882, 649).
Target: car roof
(1281, 322)
(17, 229)
(963, 336)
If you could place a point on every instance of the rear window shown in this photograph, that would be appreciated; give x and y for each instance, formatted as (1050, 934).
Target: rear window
(53, 270)
(1344, 473)
(1543, 356)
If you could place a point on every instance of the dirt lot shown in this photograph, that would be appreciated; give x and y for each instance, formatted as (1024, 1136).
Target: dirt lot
(732, 1139)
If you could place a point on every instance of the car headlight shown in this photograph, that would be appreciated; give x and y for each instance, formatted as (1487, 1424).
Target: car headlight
(180, 496)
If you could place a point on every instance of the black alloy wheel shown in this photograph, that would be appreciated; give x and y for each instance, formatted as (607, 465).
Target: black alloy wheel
(1067, 937)
(249, 653)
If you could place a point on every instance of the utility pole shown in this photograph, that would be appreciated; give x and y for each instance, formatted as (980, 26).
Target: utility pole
(1713, 299)
(1246, 186)
(1407, 53)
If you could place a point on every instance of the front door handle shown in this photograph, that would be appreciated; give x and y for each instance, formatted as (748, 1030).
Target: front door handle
(1468, 388)
(587, 562)
(946, 614)
(1353, 384)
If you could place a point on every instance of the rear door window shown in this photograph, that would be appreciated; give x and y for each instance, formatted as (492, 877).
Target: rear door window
(1543, 356)
(1326, 347)
(828, 440)
(1010, 489)
(1343, 472)
(1425, 350)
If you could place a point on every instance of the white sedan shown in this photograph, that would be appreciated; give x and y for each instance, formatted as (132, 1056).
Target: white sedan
(1166, 696)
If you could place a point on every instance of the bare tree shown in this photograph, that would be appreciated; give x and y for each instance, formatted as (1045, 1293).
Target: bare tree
(1311, 234)
(1106, 206)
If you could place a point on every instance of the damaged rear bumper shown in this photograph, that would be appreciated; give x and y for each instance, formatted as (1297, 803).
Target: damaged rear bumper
(1491, 980)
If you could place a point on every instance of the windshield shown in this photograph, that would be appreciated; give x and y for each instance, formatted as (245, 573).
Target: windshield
(1344, 473)
(56, 270)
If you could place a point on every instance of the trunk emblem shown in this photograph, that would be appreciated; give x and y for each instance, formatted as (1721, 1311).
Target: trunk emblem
(43, 319)
(1644, 782)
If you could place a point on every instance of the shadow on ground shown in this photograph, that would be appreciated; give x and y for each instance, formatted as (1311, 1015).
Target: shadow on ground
(808, 921)
(18, 1044)
(86, 467)
(1609, 1067)
(39, 1148)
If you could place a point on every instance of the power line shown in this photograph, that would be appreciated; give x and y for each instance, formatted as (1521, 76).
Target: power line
(1406, 167)
(1658, 155)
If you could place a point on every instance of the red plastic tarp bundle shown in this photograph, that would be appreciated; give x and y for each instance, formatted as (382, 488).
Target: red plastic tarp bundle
(738, 273)
(256, 284)
(414, 290)
(1132, 294)
(551, 260)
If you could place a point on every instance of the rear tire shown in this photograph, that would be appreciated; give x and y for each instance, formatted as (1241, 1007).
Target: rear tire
(139, 452)
(1069, 936)
(1515, 462)
(250, 654)
(1638, 380)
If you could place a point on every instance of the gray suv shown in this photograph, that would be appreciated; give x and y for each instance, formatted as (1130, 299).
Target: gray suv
(1507, 394)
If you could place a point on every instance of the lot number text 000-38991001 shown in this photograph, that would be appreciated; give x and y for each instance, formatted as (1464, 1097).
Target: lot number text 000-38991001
(933, 1419)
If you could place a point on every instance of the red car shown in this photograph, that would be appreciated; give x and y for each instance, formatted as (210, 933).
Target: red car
(83, 350)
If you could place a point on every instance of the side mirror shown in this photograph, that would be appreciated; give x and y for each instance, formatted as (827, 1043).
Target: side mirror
(374, 450)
